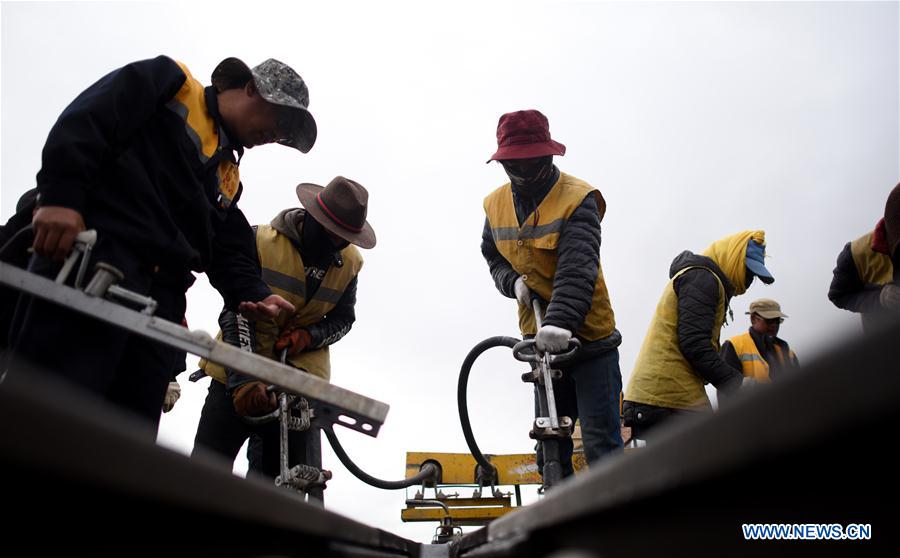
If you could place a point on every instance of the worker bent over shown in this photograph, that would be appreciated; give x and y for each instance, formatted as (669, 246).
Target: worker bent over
(307, 257)
(149, 158)
(680, 351)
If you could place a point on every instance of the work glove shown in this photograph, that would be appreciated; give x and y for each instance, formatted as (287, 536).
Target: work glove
(890, 296)
(252, 400)
(294, 339)
(728, 388)
(552, 339)
(523, 293)
(172, 394)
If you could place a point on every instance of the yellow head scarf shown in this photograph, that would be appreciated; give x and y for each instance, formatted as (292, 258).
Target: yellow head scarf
(730, 254)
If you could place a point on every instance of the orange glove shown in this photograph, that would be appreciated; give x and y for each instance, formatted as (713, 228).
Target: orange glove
(294, 339)
(251, 400)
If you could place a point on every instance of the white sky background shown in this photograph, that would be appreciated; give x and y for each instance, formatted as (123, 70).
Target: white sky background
(694, 120)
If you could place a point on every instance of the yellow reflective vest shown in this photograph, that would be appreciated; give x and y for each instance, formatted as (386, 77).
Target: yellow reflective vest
(661, 375)
(283, 271)
(873, 267)
(753, 364)
(190, 103)
(531, 249)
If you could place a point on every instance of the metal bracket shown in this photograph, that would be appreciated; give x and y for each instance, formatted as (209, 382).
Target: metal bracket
(334, 404)
(543, 428)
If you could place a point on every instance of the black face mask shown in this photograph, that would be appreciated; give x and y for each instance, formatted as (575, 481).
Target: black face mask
(316, 243)
(529, 176)
(748, 278)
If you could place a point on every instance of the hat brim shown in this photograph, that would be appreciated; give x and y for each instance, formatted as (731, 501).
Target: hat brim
(770, 314)
(760, 271)
(304, 137)
(233, 72)
(304, 134)
(307, 193)
(528, 151)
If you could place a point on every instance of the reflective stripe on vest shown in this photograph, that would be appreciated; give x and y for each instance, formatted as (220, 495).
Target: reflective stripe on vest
(661, 375)
(284, 272)
(873, 267)
(753, 364)
(531, 249)
(190, 104)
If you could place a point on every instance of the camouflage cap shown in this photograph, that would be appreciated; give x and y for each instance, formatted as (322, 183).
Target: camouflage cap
(278, 84)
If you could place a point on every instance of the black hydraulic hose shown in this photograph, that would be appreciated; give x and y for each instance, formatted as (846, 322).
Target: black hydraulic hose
(16, 239)
(489, 343)
(428, 471)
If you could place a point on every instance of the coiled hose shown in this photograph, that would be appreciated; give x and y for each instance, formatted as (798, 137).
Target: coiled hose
(461, 397)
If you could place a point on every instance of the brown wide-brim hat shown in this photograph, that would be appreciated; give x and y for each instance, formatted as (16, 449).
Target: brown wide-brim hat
(341, 208)
(278, 84)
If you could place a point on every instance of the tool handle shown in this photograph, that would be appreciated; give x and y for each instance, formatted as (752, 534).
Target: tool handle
(525, 351)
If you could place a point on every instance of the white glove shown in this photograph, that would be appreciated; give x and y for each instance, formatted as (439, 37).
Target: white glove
(748, 382)
(552, 339)
(172, 395)
(890, 296)
(523, 293)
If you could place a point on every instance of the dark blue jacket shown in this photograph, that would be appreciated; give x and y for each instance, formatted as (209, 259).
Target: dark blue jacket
(125, 158)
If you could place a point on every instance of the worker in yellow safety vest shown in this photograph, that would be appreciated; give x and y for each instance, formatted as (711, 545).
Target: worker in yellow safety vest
(308, 255)
(541, 237)
(679, 355)
(759, 352)
(867, 279)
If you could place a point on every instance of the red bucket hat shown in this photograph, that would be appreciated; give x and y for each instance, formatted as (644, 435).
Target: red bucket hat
(525, 134)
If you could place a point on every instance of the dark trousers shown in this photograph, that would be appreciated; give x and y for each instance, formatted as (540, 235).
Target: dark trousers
(222, 431)
(643, 418)
(589, 391)
(125, 369)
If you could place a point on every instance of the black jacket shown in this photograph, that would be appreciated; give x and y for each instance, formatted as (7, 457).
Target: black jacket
(576, 270)
(125, 160)
(850, 292)
(16, 253)
(698, 296)
(766, 347)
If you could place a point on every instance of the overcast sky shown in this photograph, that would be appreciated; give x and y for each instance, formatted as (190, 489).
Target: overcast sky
(695, 120)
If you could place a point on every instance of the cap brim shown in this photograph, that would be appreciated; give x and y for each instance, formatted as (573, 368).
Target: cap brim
(770, 314)
(307, 193)
(304, 136)
(760, 271)
(528, 151)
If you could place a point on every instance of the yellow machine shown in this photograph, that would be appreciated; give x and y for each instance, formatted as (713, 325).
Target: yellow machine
(460, 470)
